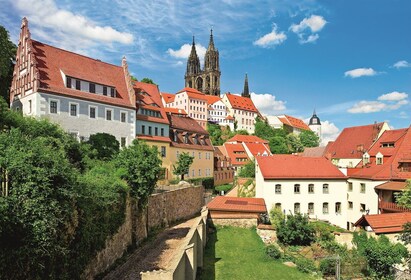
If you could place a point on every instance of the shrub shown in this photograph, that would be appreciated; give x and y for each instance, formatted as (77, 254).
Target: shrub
(207, 182)
(248, 170)
(224, 188)
(328, 266)
(276, 215)
(295, 230)
(305, 265)
(273, 252)
(334, 247)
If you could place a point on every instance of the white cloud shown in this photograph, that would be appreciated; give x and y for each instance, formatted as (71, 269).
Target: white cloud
(267, 103)
(360, 72)
(393, 96)
(311, 39)
(271, 39)
(401, 64)
(184, 51)
(312, 25)
(367, 107)
(403, 115)
(329, 132)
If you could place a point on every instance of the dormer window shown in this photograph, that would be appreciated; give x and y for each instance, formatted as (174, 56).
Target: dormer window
(68, 82)
(366, 158)
(104, 90)
(186, 139)
(78, 85)
(195, 140)
(112, 92)
(92, 88)
(388, 145)
(175, 136)
(379, 158)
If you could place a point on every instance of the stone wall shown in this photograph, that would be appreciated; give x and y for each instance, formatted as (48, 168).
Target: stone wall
(162, 210)
(243, 223)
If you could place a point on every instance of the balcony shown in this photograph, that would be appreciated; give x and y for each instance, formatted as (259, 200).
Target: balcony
(385, 207)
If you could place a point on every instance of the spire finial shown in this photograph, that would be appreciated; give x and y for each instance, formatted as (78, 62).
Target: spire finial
(193, 40)
(246, 91)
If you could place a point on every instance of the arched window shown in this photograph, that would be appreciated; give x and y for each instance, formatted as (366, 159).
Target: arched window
(310, 208)
(325, 188)
(296, 208)
(278, 189)
(325, 208)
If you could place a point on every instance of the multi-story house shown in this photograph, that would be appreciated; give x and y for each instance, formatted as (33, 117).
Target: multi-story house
(243, 110)
(223, 169)
(83, 95)
(288, 123)
(217, 112)
(191, 101)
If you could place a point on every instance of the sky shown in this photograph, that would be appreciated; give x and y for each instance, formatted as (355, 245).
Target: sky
(350, 60)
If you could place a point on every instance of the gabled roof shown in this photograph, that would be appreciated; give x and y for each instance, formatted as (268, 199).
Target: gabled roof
(237, 204)
(314, 152)
(389, 136)
(168, 97)
(193, 93)
(148, 97)
(385, 223)
(211, 99)
(51, 61)
(236, 151)
(352, 141)
(296, 167)
(293, 122)
(258, 149)
(238, 138)
(392, 186)
(186, 124)
(153, 138)
(241, 103)
(175, 111)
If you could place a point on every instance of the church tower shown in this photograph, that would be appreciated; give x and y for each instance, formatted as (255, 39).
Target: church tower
(315, 125)
(246, 91)
(208, 79)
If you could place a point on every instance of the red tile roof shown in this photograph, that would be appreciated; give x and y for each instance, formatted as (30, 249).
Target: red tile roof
(168, 97)
(385, 223)
(314, 152)
(296, 167)
(175, 111)
(211, 99)
(348, 144)
(153, 138)
(51, 60)
(236, 151)
(193, 93)
(246, 139)
(242, 103)
(237, 204)
(392, 186)
(258, 149)
(148, 97)
(293, 122)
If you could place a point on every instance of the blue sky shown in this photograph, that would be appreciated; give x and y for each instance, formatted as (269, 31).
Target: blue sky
(348, 59)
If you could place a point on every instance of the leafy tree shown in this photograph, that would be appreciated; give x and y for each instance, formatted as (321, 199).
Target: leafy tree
(278, 145)
(380, 253)
(309, 138)
(242, 132)
(263, 129)
(134, 79)
(139, 166)
(7, 57)
(404, 198)
(147, 81)
(276, 215)
(105, 145)
(295, 230)
(248, 170)
(294, 144)
(215, 133)
(183, 165)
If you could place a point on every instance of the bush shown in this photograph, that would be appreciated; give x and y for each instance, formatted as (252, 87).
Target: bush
(328, 266)
(334, 247)
(276, 216)
(305, 265)
(248, 170)
(207, 182)
(273, 252)
(295, 230)
(224, 188)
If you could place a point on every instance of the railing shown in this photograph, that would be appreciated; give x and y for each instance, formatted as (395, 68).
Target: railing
(392, 206)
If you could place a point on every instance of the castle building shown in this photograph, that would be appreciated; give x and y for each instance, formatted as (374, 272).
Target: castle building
(207, 80)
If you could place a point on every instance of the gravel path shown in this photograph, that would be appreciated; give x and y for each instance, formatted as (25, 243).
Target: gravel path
(156, 254)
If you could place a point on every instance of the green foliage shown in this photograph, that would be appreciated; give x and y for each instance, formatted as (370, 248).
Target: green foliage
(105, 146)
(323, 231)
(404, 198)
(276, 216)
(206, 182)
(305, 265)
(273, 252)
(248, 170)
(7, 57)
(380, 253)
(278, 145)
(183, 165)
(309, 138)
(295, 230)
(263, 129)
(224, 188)
(215, 133)
(242, 132)
(139, 165)
(328, 266)
(294, 144)
(147, 81)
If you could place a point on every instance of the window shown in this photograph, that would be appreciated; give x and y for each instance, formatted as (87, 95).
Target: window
(193, 173)
(350, 205)
(296, 188)
(78, 84)
(296, 208)
(68, 82)
(123, 116)
(175, 136)
(350, 186)
(311, 188)
(163, 151)
(109, 114)
(104, 90)
(112, 92)
(178, 155)
(123, 142)
(30, 106)
(338, 207)
(325, 188)
(53, 107)
(199, 172)
(325, 208)
(277, 189)
(278, 206)
(73, 110)
(161, 131)
(143, 129)
(310, 208)
(362, 188)
(92, 88)
(92, 112)
(156, 131)
(379, 160)
(362, 207)
(185, 139)
(149, 130)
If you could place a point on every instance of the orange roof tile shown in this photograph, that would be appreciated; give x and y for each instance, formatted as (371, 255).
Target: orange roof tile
(175, 111)
(293, 122)
(168, 97)
(237, 204)
(148, 97)
(242, 103)
(258, 149)
(211, 99)
(153, 138)
(314, 152)
(385, 223)
(51, 60)
(193, 93)
(392, 186)
(293, 167)
(236, 153)
(246, 139)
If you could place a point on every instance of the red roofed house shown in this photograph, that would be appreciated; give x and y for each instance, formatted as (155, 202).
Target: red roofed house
(243, 110)
(223, 169)
(303, 185)
(236, 211)
(387, 224)
(192, 101)
(289, 123)
(237, 154)
(217, 112)
(83, 95)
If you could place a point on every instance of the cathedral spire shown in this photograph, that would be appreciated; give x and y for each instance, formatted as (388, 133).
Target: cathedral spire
(211, 43)
(246, 91)
(193, 49)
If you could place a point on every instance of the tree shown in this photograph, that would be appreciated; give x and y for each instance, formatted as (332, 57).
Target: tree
(242, 132)
(139, 165)
(263, 129)
(294, 144)
(215, 132)
(248, 170)
(183, 165)
(295, 230)
(278, 145)
(7, 57)
(147, 81)
(309, 138)
(105, 145)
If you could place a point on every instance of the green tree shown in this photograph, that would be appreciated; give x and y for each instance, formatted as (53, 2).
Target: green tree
(140, 166)
(295, 230)
(294, 144)
(248, 170)
(183, 165)
(309, 138)
(278, 145)
(215, 132)
(263, 129)
(7, 57)
(242, 132)
(147, 81)
(105, 145)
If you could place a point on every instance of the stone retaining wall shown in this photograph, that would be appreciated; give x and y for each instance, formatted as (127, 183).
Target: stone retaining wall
(243, 223)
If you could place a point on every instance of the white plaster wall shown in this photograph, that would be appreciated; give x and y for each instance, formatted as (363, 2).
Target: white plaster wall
(346, 162)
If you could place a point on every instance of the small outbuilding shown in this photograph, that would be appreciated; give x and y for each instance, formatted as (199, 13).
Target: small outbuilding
(387, 223)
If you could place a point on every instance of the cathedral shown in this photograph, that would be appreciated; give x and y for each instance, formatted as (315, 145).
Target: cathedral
(208, 79)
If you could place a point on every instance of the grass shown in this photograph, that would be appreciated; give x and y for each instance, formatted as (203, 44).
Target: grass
(237, 253)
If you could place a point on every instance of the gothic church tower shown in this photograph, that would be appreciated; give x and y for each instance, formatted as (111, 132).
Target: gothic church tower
(208, 79)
